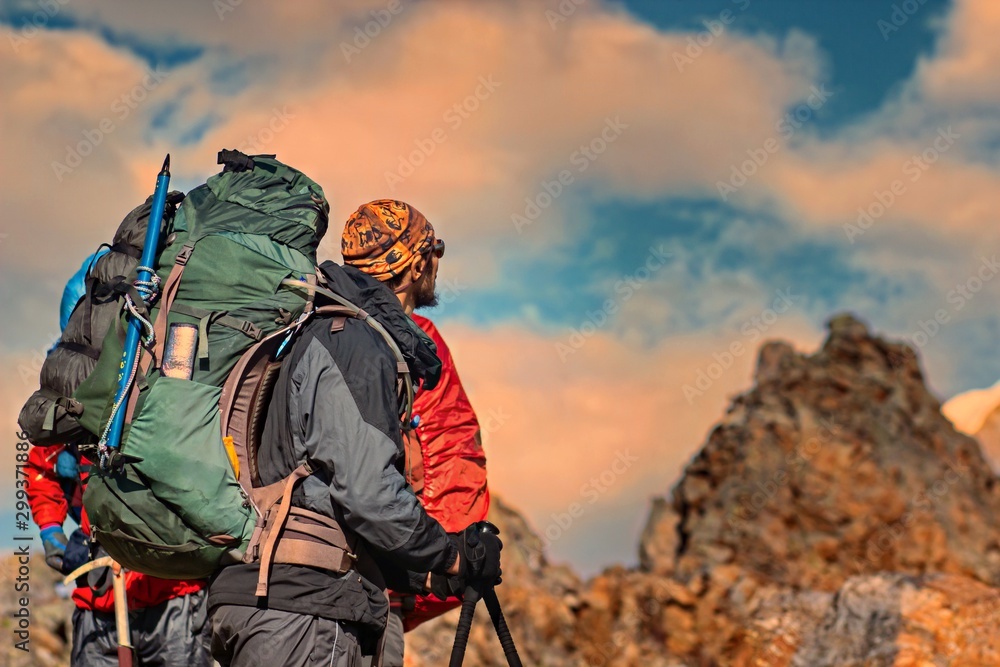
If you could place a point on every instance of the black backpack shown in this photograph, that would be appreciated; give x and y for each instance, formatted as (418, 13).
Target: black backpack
(50, 415)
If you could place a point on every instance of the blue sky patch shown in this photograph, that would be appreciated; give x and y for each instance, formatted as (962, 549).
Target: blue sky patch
(866, 60)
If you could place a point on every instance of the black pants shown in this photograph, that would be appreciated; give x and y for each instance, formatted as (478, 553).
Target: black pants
(393, 656)
(167, 635)
(251, 637)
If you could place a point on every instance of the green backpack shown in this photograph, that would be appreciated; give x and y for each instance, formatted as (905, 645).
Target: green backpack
(232, 254)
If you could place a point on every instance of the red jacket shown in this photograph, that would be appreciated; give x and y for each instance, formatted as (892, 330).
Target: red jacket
(50, 505)
(445, 462)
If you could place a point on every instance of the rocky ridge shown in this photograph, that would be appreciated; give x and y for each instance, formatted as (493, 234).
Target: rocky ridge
(834, 517)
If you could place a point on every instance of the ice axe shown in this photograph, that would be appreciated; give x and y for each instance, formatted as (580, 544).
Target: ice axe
(125, 654)
(473, 592)
(147, 284)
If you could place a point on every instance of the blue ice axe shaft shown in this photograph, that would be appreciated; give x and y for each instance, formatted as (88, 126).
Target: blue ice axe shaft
(134, 326)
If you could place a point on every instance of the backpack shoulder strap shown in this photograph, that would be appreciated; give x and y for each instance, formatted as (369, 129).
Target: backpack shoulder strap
(402, 368)
(284, 533)
(244, 400)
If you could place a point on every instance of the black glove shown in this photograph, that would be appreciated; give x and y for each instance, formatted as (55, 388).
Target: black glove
(77, 551)
(479, 548)
(444, 586)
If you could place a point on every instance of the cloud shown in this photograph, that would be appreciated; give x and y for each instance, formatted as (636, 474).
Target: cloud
(468, 140)
(59, 87)
(922, 161)
(962, 74)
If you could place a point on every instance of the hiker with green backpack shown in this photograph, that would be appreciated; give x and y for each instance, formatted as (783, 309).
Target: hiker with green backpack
(260, 425)
(338, 405)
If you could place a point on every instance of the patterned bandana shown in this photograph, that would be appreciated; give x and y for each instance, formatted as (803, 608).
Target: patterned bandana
(382, 237)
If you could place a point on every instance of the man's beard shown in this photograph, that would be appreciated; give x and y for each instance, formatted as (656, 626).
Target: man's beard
(424, 295)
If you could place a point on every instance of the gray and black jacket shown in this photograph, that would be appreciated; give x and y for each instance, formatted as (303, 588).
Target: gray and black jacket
(335, 404)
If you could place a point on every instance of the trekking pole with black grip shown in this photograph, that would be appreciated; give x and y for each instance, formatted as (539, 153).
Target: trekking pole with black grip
(469, 601)
(500, 623)
(473, 592)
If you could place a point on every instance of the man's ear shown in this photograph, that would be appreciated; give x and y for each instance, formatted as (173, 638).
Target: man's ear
(417, 268)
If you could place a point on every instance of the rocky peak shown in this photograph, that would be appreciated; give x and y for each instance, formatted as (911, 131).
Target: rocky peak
(833, 517)
(835, 464)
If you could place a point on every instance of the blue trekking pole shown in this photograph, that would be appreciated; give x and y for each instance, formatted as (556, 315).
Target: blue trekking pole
(147, 285)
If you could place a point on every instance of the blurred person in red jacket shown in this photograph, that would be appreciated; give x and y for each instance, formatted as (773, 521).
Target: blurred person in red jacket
(444, 459)
(166, 616)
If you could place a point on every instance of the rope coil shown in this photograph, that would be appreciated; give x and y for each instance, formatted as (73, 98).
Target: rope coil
(149, 290)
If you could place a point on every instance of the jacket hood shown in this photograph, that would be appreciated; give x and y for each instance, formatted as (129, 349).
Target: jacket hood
(366, 292)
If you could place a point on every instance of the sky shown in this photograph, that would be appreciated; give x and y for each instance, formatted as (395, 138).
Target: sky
(634, 194)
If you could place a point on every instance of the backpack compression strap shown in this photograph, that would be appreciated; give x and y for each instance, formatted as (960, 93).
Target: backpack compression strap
(170, 289)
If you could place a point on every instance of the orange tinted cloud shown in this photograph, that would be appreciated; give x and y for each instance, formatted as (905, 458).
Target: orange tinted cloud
(467, 139)
(963, 70)
(968, 411)
(558, 411)
(470, 141)
(923, 142)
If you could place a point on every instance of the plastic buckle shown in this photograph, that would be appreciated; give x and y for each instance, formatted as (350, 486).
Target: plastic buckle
(184, 255)
(250, 329)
